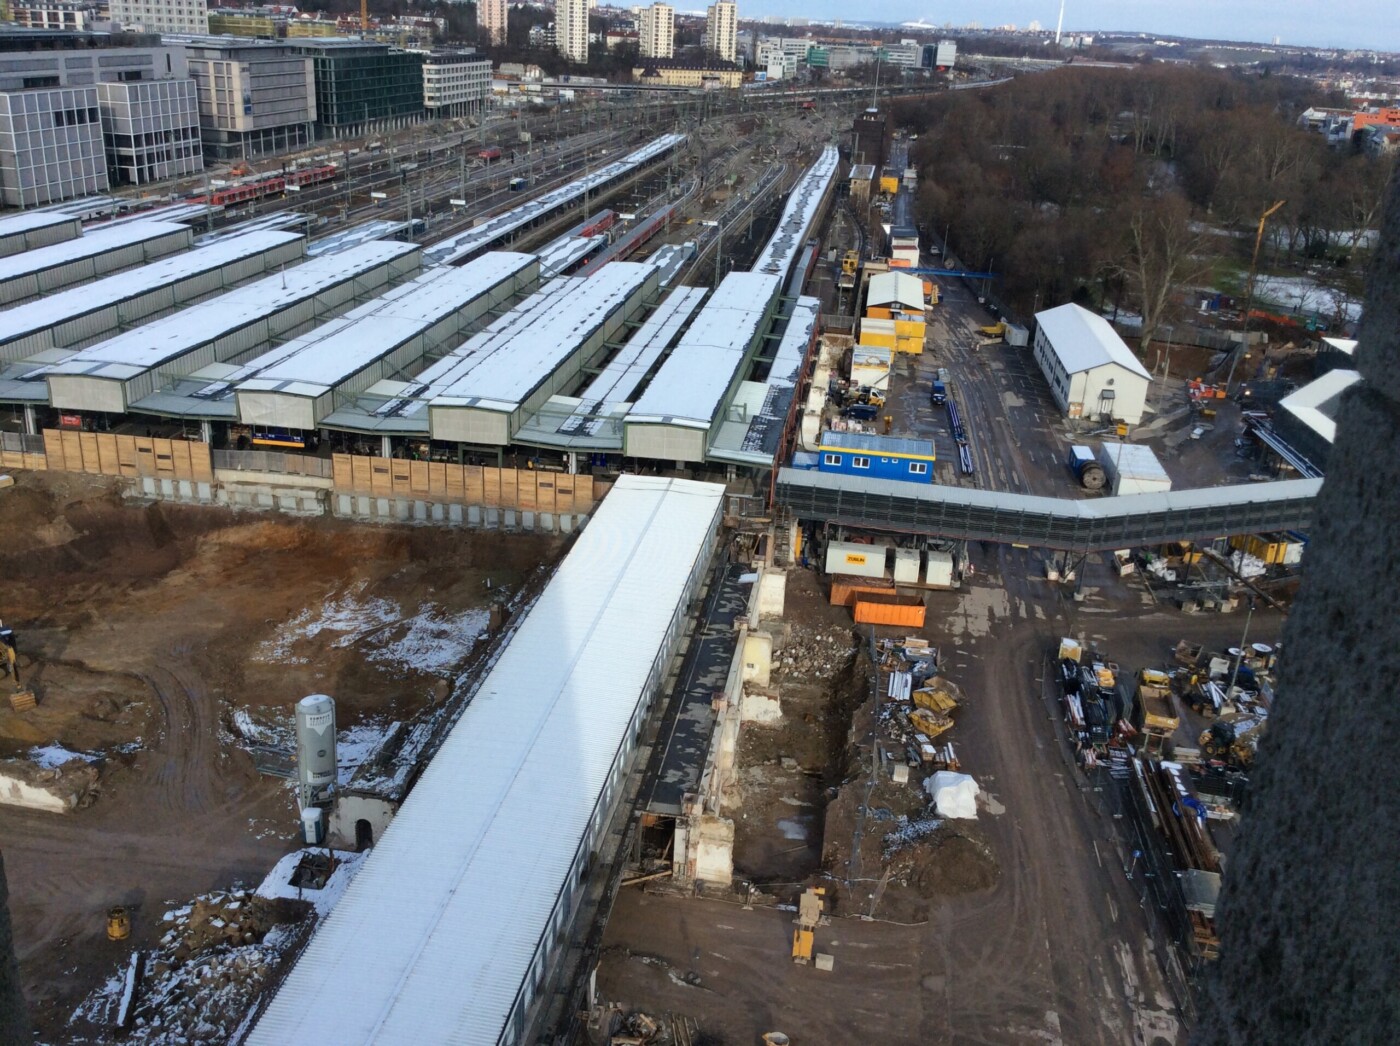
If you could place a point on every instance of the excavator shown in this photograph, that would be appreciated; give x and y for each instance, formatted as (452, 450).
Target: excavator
(21, 697)
(1232, 739)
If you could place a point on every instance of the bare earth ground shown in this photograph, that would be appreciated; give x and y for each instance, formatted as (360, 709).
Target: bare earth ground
(143, 628)
(1055, 950)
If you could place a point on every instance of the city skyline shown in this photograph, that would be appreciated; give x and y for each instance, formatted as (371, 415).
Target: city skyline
(1358, 24)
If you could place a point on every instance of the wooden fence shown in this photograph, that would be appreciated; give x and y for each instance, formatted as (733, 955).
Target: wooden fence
(105, 454)
(526, 490)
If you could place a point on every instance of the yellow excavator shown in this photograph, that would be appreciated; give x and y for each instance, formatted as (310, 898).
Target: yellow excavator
(21, 697)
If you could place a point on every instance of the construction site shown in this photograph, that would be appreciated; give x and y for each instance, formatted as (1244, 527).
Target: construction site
(669, 608)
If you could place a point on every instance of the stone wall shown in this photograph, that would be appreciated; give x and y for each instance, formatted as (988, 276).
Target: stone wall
(1308, 916)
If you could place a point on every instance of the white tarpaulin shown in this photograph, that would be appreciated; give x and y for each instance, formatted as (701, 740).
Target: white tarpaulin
(953, 795)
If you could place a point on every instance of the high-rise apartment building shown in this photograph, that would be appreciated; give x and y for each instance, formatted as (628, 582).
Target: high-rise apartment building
(571, 29)
(657, 28)
(162, 16)
(491, 21)
(722, 29)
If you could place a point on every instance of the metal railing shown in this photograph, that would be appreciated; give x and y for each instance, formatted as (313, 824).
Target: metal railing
(273, 461)
(21, 443)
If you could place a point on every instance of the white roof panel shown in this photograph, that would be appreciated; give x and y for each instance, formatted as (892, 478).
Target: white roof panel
(1084, 341)
(137, 350)
(693, 380)
(69, 304)
(89, 245)
(895, 288)
(28, 221)
(436, 934)
(796, 223)
(1315, 404)
(333, 352)
(515, 366)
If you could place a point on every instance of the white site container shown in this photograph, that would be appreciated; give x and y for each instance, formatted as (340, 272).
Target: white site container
(846, 557)
(906, 566)
(939, 571)
(1133, 469)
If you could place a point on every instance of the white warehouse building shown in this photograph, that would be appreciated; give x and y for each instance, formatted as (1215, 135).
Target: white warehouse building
(1092, 374)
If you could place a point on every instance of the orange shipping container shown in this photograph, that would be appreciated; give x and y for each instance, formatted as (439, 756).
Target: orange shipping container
(903, 613)
(845, 593)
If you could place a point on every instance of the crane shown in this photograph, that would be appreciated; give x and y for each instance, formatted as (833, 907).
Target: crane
(364, 16)
(1249, 293)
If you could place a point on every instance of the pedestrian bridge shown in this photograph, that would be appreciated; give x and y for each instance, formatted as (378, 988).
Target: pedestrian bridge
(1071, 524)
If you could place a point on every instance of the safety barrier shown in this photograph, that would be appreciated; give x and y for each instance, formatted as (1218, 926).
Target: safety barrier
(525, 490)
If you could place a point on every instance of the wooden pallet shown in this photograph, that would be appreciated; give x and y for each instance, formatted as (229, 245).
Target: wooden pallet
(23, 700)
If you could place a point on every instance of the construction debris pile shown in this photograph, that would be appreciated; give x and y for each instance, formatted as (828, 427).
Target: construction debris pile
(814, 655)
(216, 954)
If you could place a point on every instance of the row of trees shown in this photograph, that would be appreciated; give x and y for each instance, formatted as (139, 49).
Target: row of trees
(1078, 182)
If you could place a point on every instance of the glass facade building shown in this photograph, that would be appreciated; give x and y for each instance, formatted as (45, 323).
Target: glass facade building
(361, 83)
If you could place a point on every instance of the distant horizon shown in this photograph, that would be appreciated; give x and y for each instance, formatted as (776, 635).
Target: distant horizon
(1362, 25)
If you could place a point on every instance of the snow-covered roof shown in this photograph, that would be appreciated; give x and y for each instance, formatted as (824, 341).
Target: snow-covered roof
(325, 357)
(488, 232)
(874, 444)
(28, 221)
(340, 241)
(564, 252)
(796, 223)
(53, 309)
(1083, 341)
(1345, 345)
(1133, 460)
(692, 382)
(434, 938)
(89, 245)
(896, 288)
(619, 380)
(1315, 404)
(506, 375)
(154, 344)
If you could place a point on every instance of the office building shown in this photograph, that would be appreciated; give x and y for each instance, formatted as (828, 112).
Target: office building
(255, 97)
(359, 84)
(657, 27)
(54, 14)
(571, 29)
(50, 145)
(722, 29)
(491, 21)
(455, 83)
(150, 130)
(162, 16)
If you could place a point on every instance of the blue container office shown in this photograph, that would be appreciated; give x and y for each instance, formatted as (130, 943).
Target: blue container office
(879, 457)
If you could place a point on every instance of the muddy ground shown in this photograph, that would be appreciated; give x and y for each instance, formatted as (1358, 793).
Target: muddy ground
(1020, 927)
(144, 629)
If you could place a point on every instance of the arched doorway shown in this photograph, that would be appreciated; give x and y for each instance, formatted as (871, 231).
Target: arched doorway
(364, 834)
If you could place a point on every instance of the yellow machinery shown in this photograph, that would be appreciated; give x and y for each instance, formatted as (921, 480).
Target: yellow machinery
(996, 330)
(849, 263)
(118, 924)
(21, 697)
(809, 916)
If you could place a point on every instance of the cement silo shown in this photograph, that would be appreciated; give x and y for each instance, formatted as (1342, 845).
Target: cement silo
(315, 716)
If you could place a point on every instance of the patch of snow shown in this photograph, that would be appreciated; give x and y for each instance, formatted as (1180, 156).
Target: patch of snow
(50, 757)
(351, 613)
(433, 641)
(1304, 294)
(358, 744)
(278, 882)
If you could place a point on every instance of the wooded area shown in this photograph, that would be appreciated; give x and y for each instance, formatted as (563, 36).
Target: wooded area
(1110, 185)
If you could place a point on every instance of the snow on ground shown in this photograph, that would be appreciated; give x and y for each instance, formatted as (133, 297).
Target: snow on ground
(1304, 294)
(278, 881)
(351, 612)
(357, 745)
(432, 641)
(51, 757)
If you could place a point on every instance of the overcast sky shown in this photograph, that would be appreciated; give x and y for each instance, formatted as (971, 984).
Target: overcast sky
(1338, 23)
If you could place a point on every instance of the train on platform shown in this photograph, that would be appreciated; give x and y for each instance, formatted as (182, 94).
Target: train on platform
(272, 186)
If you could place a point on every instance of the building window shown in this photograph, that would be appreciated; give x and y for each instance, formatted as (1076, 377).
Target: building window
(918, 468)
(860, 463)
(831, 459)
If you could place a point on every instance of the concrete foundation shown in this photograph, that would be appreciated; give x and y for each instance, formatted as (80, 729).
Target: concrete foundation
(758, 658)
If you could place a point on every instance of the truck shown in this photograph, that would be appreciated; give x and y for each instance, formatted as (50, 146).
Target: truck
(518, 184)
(1086, 468)
(938, 393)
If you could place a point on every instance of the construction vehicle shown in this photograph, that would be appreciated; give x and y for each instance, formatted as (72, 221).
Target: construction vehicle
(118, 924)
(850, 262)
(809, 917)
(995, 330)
(22, 698)
(1232, 739)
